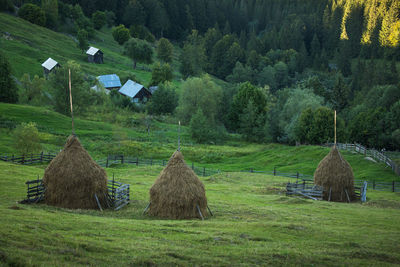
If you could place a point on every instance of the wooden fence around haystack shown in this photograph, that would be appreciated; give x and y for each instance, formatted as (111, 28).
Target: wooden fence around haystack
(118, 194)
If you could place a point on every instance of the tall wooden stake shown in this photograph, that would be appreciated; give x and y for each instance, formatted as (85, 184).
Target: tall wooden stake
(70, 100)
(179, 136)
(335, 127)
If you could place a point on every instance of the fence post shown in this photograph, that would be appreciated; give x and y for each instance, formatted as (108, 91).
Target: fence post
(204, 171)
(251, 169)
(192, 165)
(151, 162)
(297, 175)
(163, 162)
(107, 161)
(393, 186)
(274, 171)
(41, 157)
(122, 159)
(373, 184)
(12, 158)
(137, 161)
(23, 159)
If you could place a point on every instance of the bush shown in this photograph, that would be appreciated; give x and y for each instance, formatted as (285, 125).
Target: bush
(204, 131)
(160, 74)
(33, 14)
(26, 138)
(164, 50)
(120, 34)
(99, 19)
(164, 100)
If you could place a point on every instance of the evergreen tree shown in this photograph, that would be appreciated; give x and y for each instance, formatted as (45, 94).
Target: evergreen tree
(82, 37)
(161, 73)
(98, 19)
(8, 89)
(164, 50)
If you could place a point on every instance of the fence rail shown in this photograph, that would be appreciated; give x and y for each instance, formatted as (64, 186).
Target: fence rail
(373, 153)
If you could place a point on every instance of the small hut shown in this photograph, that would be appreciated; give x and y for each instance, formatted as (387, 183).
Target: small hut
(95, 55)
(73, 178)
(49, 65)
(335, 175)
(178, 193)
(135, 91)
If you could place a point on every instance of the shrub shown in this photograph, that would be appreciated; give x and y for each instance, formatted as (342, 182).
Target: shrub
(26, 138)
(33, 14)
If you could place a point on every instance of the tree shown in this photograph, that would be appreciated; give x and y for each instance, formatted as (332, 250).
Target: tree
(193, 56)
(200, 128)
(8, 89)
(161, 73)
(99, 19)
(59, 89)
(139, 51)
(134, 13)
(82, 37)
(31, 91)
(26, 138)
(110, 18)
(198, 93)
(7, 6)
(252, 123)
(120, 34)
(164, 100)
(32, 13)
(50, 8)
(164, 50)
(341, 94)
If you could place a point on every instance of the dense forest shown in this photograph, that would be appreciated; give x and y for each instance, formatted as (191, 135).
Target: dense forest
(287, 64)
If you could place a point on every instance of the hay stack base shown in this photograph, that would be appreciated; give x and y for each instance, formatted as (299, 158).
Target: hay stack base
(73, 177)
(177, 193)
(335, 175)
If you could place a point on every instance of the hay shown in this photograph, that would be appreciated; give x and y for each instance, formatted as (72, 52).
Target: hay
(335, 173)
(73, 177)
(177, 192)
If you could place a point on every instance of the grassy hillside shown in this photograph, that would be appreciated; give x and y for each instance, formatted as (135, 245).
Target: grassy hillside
(30, 45)
(254, 223)
(102, 138)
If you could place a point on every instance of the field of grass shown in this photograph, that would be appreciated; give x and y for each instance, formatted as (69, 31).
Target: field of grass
(102, 138)
(254, 223)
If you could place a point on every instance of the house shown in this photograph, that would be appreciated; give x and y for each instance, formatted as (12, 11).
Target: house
(95, 55)
(135, 91)
(49, 65)
(110, 81)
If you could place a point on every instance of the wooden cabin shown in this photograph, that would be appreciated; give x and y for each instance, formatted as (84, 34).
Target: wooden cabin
(135, 91)
(95, 55)
(49, 65)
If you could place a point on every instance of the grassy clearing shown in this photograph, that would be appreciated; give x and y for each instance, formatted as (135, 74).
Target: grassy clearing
(254, 224)
(102, 138)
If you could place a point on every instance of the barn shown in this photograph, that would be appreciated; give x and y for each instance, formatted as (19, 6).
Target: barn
(95, 55)
(49, 65)
(110, 81)
(135, 91)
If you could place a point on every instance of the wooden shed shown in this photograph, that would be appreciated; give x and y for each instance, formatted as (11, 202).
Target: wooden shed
(95, 55)
(49, 65)
(135, 91)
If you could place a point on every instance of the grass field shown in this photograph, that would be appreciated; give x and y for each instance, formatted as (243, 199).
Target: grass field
(254, 223)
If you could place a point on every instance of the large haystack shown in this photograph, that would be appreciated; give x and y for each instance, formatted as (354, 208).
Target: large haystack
(73, 177)
(177, 192)
(335, 174)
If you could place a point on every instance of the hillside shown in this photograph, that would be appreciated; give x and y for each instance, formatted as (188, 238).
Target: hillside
(102, 138)
(29, 45)
(254, 223)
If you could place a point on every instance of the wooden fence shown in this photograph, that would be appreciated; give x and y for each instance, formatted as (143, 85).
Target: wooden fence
(29, 158)
(35, 191)
(375, 154)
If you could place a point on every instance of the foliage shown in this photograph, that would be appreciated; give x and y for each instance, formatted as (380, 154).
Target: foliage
(193, 56)
(32, 13)
(199, 93)
(164, 100)
(26, 138)
(50, 8)
(82, 37)
(33, 91)
(120, 34)
(8, 89)
(7, 5)
(99, 19)
(161, 73)
(139, 51)
(59, 89)
(164, 50)
(110, 18)
(202, 130)
(141, 32)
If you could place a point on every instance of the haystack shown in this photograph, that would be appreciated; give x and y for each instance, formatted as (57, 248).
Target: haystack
(335, 174)
(73, 177)
(177, 192)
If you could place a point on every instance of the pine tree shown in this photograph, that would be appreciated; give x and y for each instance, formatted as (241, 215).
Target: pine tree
(8, 89)
(164, 50)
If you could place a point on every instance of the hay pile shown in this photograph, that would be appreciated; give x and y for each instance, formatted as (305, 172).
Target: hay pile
(335, 173)
(73, 177)
(177, 192)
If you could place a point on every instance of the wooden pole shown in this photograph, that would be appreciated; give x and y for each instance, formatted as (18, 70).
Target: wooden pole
(335, 128)
(179, 136)
(70, 100)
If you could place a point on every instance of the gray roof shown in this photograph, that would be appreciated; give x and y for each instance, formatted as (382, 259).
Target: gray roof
(130, 88)
(92, 51)
(49, 63)
(152, 89)
(109, 81)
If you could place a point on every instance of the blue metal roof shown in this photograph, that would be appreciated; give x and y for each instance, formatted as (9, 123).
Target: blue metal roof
(130, 88)
(109, 81)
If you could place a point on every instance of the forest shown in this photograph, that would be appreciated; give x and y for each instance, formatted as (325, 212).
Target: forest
(284, 65)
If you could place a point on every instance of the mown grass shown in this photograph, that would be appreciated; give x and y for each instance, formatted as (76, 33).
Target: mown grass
(102, 138)
(254, 223)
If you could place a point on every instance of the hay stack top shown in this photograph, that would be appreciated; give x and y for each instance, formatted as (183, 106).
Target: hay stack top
(73, 177)
(335, 174)
(177, 192)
